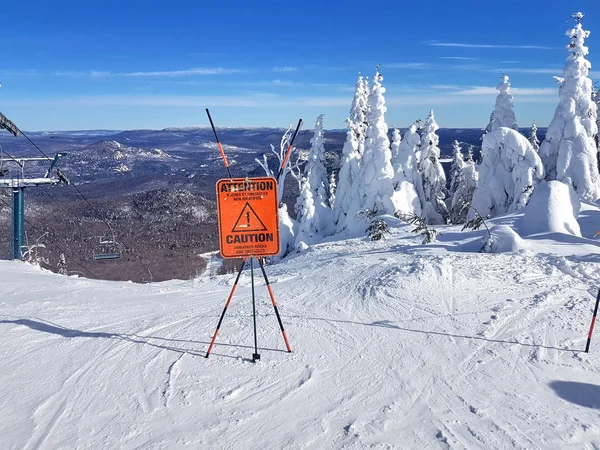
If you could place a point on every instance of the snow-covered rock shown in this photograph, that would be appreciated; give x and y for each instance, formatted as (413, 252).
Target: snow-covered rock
(502, 239)
(553, 208)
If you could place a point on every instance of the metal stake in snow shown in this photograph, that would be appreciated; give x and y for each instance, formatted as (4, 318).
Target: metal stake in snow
(589, 339)
(219, 143)
(255, 355)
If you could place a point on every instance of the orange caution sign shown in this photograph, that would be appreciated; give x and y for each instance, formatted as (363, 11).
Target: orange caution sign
(248, 221)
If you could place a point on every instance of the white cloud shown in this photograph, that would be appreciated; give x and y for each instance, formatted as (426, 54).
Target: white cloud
(181, 73)
(486, 90)
(465, 58)
(253, 100)
(470, 45)
(409, 65)
(285, 69)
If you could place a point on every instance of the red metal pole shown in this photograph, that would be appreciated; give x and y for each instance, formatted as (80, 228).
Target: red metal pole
(287, 344)
(219, 143)
(589, 339)
(225, 309)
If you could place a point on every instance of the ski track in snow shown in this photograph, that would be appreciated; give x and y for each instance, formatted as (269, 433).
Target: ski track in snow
(419, 348)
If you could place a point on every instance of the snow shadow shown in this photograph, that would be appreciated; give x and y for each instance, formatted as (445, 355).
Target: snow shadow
(47, 327)
(582, 394)
(393, 326)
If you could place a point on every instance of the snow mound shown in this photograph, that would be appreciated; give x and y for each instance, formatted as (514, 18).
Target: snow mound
(553, 207)
(503, 239)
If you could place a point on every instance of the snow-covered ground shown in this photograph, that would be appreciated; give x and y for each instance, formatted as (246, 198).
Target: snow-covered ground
(395, 345)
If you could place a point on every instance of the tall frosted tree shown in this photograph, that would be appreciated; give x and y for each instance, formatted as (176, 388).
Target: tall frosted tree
(503, 115)
(463, 195)
(533, 138)
(317, 179)
(569, 151)
(349, 175)
(308, 223)
(375, 185)
(359, 110)
(458, 163)
(508, 173)
(432, 173)
(407, 180)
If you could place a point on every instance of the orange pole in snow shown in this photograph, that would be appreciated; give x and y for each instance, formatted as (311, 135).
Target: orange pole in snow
(287, 344)
(589, 339)
(225, 309)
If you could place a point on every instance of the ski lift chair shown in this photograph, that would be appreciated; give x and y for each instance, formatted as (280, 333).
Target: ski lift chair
(108, 249)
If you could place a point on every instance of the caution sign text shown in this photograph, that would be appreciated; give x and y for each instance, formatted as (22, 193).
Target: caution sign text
(248, 222)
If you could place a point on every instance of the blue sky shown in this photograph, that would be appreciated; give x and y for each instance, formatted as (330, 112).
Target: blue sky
(133, 64)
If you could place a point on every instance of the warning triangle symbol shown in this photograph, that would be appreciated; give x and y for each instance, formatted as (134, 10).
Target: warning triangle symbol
(248, 221)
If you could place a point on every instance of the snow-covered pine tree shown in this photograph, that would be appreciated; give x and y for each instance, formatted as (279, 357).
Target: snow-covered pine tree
(503, 115)
(395, 148)
(375, 186)
(569, 149)
(332, 189)
(407, 180)
(508, 173)
(359, 110)
(458, 163)
(432, 173)
(470, 153)
(62, 265)
(308, 228)
(318, 181)
(533, 138)
(596, 100)
(463, 195)
(352, 151)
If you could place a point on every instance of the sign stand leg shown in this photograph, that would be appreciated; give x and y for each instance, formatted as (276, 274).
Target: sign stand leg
(262, 267)
(225, 309)
(255, 356)
(589, 339)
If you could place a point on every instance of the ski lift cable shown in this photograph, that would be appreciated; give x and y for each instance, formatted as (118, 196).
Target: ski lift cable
(58, 246)
(105, 221)
(76, 188)
(45, 191)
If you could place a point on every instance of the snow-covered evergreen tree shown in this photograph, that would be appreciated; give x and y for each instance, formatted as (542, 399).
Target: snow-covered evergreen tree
(375, 186)
(463, 195)
(308, 222)
(347, 198)
(533, 138)
(458, 163)
(350, 173)
(62, 265)
(569, 149)
(596, 100)
(318, 181)
(395, 147)
(503, 115)
(470, 153)
(332, 189)
(359, 110)
(432, 173)
(508, 173)
(407, 179)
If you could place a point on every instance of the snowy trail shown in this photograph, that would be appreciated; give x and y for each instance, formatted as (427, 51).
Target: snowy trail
(419, 349)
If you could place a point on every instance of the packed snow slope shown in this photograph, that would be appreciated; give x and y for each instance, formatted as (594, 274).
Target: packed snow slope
(395, 345)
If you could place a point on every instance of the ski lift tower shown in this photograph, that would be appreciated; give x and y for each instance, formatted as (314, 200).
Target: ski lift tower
(18, 184)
